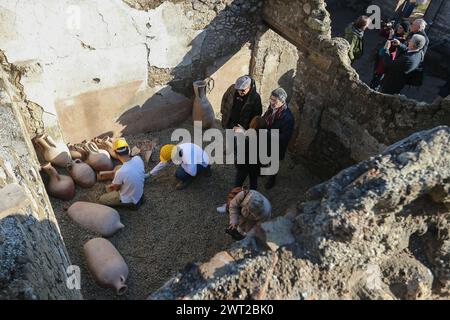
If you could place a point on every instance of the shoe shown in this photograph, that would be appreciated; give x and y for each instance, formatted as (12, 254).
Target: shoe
(236, 235)
(271, 182)
(183, 184)
(222, 209)
(136, 206)
(207, 171)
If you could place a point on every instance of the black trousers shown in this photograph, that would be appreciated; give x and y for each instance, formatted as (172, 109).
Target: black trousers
(244, 171)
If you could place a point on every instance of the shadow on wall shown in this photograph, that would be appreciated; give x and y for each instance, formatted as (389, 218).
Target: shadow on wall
(28, 272)
(218, 47)
(286, 82)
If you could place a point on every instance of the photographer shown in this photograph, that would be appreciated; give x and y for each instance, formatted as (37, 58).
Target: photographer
(408, 60)
(399, 33)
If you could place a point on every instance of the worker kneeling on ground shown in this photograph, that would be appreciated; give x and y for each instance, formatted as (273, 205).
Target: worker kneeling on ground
(192, 161)
(246, 208)
(127, 188)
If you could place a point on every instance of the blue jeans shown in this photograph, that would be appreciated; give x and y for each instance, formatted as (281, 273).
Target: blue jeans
(182, 175)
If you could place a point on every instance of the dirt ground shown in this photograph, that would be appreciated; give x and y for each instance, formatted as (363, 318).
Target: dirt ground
(428, 92)
(173, 227)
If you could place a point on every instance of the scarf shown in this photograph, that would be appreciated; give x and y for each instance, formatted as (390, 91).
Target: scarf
(358, 32)
(271, 116)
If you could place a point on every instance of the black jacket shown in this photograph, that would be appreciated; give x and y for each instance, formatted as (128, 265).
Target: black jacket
(251, 108)
(398, 70)
(285, 124)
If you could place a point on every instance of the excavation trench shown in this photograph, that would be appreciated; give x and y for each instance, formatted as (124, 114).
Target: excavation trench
(172, 228)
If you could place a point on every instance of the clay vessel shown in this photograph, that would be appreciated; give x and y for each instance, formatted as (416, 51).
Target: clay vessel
(77, 151)
(56, 153)
(98, 159)
(202, 109)
(96, 217)
(59, 186)
(106, 264)
(82, 173)
(106, 144)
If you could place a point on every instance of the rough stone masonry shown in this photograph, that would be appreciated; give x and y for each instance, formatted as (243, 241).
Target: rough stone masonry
(33, 259)
(378, 229)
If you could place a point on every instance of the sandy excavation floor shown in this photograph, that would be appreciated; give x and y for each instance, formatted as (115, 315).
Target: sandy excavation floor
(173, 227)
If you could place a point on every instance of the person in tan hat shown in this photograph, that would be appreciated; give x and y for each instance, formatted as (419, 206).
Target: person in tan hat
(247, 208)
(240, 104)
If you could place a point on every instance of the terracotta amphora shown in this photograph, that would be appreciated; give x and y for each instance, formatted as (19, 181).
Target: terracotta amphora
(202, 109)
(82, 173)
(106, 264)
(106, 144)
(96, 217)
(98, 159)
(56, 153)
(59, 186)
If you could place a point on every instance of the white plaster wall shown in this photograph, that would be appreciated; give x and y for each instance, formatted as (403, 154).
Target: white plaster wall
(63, 45)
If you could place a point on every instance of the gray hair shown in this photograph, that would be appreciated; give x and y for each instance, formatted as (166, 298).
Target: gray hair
(418, 41)
(422, 23)
(280, 94)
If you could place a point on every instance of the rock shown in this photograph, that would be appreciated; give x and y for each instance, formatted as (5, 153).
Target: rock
(354, 235)
(217, 266)
(277, 233)
(135, 151)
(13, 198)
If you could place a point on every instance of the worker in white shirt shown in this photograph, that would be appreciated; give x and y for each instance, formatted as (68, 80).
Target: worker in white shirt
(192, 161)
(127, 188)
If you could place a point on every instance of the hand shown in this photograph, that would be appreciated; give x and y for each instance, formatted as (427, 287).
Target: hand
(109, 188)
(391, 33)
(239, 129)
(232, 226)
(395, 42)
(387, 45)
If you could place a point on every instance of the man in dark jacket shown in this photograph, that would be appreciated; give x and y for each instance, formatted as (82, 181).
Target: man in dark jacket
(398, 70)
(418, 27)
(279, 117)
(240, 104)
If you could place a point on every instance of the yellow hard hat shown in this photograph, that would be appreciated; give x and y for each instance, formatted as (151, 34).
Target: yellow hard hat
(165, 155)
(120, 143)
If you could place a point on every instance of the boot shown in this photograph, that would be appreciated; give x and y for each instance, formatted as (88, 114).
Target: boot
(183, 184)
(271, 182)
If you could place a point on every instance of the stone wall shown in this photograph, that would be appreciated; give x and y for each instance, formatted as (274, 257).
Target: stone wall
(274, 63)
(33, 258)
(439, 31)
(340, 120)
(378, 230)
(114, 67)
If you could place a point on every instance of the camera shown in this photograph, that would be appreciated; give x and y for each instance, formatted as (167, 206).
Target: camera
(389, 24)
(235, 234)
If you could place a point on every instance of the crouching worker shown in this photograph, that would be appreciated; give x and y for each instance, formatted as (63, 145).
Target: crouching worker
(127, 188)
(247, 208)
(192, 161)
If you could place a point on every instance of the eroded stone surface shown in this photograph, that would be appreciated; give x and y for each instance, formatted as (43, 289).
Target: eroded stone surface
(368, 233)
